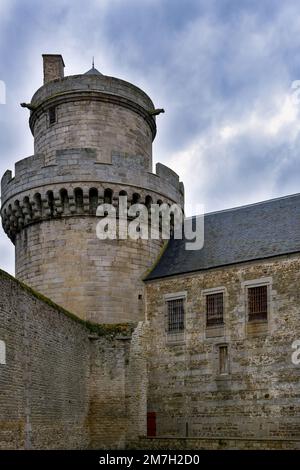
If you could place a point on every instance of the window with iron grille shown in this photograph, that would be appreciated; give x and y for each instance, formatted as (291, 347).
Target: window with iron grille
(214, 309)
(175, 315)
(258, 303)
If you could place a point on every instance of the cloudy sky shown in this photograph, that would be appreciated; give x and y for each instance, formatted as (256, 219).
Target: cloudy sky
(222, 69)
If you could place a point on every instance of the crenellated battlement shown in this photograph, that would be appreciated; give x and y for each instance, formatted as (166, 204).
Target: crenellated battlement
(80, 166)
(6, 178)
(57, 201)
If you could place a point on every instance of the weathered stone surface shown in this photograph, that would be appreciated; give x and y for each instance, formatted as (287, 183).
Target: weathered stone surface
(53, 66)
(259, 398)
(66, 384)
(100, 281)
(199, 443)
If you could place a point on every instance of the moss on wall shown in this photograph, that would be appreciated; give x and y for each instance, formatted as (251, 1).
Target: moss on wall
(108, 330)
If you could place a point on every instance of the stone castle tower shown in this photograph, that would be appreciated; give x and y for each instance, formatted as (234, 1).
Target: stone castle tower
(93, 139)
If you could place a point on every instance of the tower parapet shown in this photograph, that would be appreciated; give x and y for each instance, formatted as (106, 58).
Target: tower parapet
(99, 146)
(39, 192)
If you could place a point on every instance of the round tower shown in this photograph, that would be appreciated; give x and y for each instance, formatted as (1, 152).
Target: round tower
(93, 142)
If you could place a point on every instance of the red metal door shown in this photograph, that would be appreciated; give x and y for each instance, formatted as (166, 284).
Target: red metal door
(151, 424)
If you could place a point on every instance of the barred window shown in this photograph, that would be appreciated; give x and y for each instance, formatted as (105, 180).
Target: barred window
(175, 315)
(214, 309)
(258, 303)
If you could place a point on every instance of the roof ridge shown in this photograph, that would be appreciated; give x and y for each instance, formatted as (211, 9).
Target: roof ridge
(248, 233)
(267, 201)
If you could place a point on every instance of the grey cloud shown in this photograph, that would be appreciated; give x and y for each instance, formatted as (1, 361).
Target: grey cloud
(210, 64)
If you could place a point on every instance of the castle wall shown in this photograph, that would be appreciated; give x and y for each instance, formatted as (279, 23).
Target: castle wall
(118, 391)
(66, 384)
(44, 384)
(258, 400)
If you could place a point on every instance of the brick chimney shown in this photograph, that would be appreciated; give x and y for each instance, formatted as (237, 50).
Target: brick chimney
(53, 65)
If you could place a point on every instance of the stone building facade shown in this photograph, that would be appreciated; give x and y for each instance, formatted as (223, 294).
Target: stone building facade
(253, 391)
(164, 348)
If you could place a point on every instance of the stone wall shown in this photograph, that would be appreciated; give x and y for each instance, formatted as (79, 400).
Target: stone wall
(66, 383)
(123, 398)
(259, 397)
(44, 384)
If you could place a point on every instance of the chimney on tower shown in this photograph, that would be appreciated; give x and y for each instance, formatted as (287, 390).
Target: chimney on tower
(53, 65)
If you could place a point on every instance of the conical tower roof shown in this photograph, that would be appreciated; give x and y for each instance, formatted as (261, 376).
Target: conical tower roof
(93, 71)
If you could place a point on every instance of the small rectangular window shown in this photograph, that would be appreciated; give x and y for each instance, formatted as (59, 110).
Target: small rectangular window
(223, 360)
(175, 315)
(52, 115)
(214, 309)
(257, 303)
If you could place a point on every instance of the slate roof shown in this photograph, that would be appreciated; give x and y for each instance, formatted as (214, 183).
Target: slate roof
(246, 233)
(93, 71)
